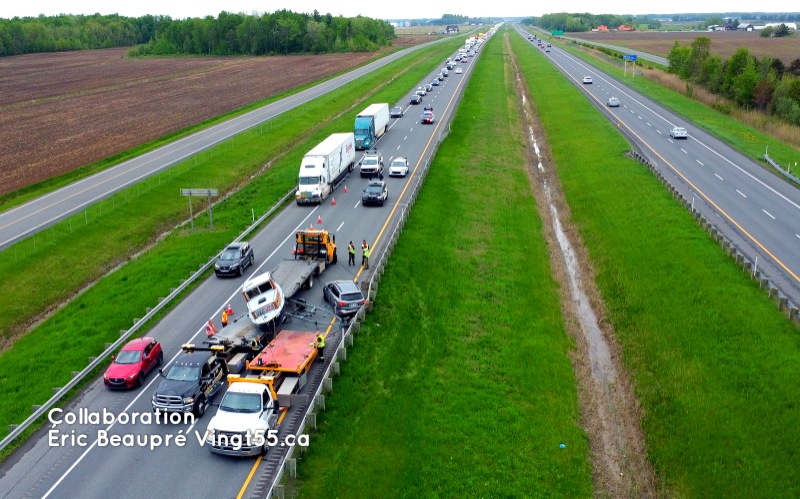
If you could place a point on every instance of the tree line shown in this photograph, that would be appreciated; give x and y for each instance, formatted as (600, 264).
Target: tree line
(281, 32)
(586, 22)
(766, 84)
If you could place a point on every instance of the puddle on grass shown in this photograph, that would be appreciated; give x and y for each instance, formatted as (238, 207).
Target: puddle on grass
(599, 353)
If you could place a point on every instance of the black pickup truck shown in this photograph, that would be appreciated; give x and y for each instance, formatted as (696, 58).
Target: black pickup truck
(191, 383)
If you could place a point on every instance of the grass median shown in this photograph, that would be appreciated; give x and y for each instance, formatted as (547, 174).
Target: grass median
(460, 382)
(51, 267)
(713, 360)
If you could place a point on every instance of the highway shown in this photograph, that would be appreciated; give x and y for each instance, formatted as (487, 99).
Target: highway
(752, 207)
(79, 463)
(38, 214)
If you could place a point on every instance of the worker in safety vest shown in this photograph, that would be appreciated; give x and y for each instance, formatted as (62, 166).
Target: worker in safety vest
(224, 318)
(365, 258)
(210, 329)
(320, 344)
(351, 254)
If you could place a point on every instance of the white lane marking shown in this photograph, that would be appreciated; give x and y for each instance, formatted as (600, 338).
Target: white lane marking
(768, 214)
(719, 177)
(649, 125)
(684, 150)
(700, 162)
(659, 131)
(339, 227)
(741, 193)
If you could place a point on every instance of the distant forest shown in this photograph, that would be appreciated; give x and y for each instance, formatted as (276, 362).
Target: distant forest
(282, 32)
(575, 23)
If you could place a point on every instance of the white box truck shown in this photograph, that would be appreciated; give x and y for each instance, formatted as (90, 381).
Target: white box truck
(371, 124)
(324, 166)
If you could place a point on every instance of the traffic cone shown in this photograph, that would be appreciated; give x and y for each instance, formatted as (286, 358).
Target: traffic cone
(345, 188)
(333, 201)
(319, 219)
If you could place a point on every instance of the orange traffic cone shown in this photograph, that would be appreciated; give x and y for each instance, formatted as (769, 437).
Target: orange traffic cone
(319, 219)
(345, 188)
(333, 201)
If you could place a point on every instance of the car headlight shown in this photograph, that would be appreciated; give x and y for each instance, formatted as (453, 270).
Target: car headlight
(188, 400)
(131, 377)
(235, 265)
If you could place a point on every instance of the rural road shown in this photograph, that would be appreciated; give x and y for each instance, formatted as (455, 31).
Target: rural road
(27, 219)
(753, 208)
(42, 468)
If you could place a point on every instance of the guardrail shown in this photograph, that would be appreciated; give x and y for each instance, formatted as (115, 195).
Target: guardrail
(786, 173)
(747, 265)
(41, 410)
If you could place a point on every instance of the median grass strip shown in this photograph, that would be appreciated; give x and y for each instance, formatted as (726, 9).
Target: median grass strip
(744, 138)
(38, 273)
(712, 359)
(460, 383)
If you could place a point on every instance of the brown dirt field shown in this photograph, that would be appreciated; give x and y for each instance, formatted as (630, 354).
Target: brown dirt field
(723, 43)
(60, 111)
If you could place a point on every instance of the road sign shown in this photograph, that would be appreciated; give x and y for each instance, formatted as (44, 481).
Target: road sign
(630, 57)
(557, 32)
(200, 192)
(206, 193)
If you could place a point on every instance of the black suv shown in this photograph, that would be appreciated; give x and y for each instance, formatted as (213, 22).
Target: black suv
(234, 259)
(344, 296)
(191, 383)
(375, 193)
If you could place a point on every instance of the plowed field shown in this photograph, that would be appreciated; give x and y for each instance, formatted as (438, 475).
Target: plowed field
(60, 111)
(723, 43)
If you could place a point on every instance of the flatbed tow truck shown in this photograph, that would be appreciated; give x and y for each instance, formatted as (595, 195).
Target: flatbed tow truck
(246, 420)
(269, 295)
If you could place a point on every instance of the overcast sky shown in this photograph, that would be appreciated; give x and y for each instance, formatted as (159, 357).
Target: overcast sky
(382, 9)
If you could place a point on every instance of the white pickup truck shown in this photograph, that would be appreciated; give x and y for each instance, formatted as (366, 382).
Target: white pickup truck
(246, 420)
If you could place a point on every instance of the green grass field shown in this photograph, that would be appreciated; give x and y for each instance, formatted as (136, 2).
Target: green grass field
(713, 360)
(89, 244)
(460, 383)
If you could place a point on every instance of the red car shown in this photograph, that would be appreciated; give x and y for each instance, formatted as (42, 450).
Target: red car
(134, 362)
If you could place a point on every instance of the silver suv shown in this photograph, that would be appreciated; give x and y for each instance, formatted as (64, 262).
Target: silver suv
(344, 296)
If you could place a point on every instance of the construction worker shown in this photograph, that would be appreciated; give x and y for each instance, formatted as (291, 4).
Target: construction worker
(351, 254)
(224, 317)
(364, 252)
(320, 344)
(210, 329)
(365, 258)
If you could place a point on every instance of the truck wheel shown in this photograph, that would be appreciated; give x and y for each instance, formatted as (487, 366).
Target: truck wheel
(309, 283)
(200, 408)
(335, 258)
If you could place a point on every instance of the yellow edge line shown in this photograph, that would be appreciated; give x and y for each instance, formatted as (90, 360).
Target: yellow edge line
(413, 172)
(699, 191)
(249, 477)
